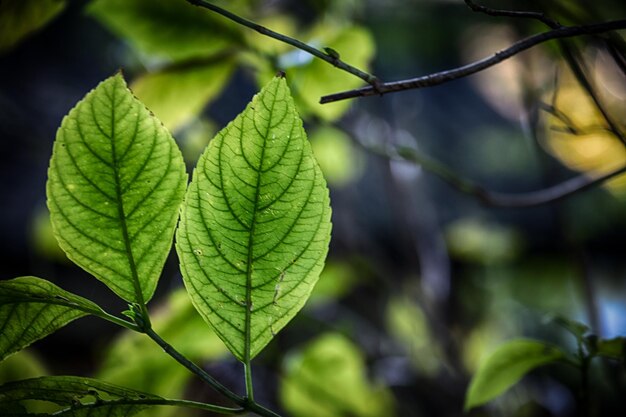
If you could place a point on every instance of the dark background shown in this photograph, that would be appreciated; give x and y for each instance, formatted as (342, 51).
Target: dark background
(479, 275)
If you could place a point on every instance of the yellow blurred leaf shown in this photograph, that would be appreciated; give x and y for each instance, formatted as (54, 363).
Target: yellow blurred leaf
(593, 149)
(179, 93)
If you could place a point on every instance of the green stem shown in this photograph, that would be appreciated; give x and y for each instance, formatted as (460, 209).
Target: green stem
(332, 59)
(246, 403)
(113, 319)
(169, 349)
(249, 386)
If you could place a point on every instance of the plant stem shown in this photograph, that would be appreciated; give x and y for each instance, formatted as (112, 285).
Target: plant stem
(330, 58)
(246, 403)
(169, 349)
(249, 387)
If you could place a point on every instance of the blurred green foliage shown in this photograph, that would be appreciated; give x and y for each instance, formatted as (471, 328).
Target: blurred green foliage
(327, 378)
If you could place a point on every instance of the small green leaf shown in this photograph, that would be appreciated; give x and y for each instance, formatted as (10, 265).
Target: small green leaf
(178, 93)
(255, 225)
(115, 184)
(170, 28)
(32, 308)
(20, 18)
(329, 378)
(612, 348)
(73, 396)
(506, 366)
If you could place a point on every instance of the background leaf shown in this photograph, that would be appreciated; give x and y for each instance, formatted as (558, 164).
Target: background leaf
(171, 29)
(73, 396)
(329, 378)
(115, 184)
(614, 348)
(32, 308)
(507, 365)
(178, 93)
(255, 225)
(20, 18)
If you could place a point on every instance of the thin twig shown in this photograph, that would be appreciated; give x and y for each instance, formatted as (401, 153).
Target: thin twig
(553, 24)
(331, 57)
(477, 66)
(491, 198)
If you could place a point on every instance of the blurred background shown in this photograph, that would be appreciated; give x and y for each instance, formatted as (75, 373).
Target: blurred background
(422, 280)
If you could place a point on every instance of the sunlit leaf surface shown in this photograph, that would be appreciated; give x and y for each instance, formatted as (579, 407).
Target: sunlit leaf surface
(115, 184)
(255, 225)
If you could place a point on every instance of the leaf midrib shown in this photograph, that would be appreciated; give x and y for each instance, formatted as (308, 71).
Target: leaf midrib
(120, 208)
(259, 171)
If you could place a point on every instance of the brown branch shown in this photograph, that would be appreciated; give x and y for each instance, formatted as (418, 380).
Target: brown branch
(477, 66)
(511, 13)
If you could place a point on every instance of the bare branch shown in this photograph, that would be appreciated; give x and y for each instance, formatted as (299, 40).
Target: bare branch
(332, 57)
(496, 199)
(553, 24)
(477, 66)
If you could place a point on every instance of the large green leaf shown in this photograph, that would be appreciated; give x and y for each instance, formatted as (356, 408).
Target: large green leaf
(255, 225)
(178, 93)
(328, 378)
(506, 366)
(72, 396)
(169, 28)
(20, 18)
(32, 308)
(115, 185)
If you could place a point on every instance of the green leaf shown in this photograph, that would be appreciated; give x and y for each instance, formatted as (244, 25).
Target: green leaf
(137, 362)
(506, 366)
(612, 348)
(73, 396)
(32, 308)
(179, 93)
(115, 184)
(255, 225)
(329, 378)
(170, 28)
(21, 18)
